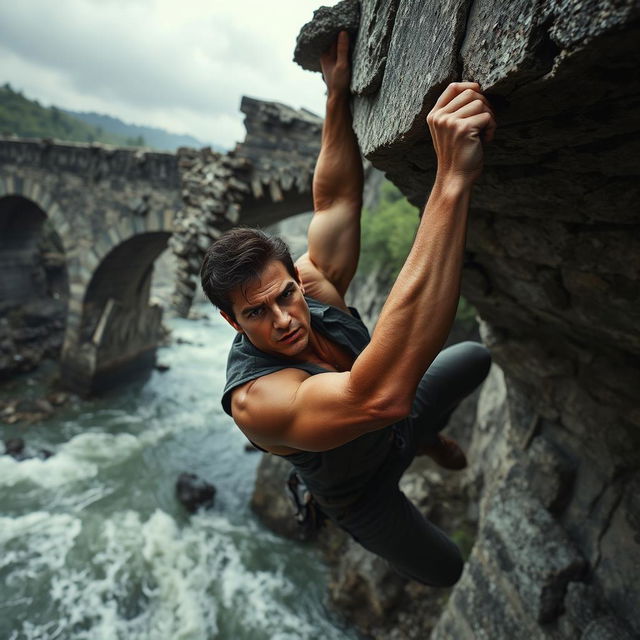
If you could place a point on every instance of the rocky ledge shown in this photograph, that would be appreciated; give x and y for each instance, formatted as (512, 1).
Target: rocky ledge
(553, 268)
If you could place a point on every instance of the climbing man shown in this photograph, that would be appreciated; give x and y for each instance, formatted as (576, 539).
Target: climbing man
(305, 381)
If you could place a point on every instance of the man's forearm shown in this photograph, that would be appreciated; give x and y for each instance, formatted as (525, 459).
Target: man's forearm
(338, 174)
(419, 312)
(417, 317)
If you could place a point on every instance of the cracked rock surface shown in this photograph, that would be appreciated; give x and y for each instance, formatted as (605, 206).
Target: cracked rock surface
(553, 268)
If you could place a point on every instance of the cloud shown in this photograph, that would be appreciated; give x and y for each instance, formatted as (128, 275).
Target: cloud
(183, 66)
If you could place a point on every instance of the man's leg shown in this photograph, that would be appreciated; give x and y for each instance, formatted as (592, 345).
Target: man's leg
(389, 525)
(455, 373)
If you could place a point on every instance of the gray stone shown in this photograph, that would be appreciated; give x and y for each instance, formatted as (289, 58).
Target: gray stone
(318, 35)
(582, 606)
(618, 550)
(269, 500)
(417, 69)
(607, 628)
(364, 586)
(532, 551)
(194, 492)
(546, 472)
(372, 45)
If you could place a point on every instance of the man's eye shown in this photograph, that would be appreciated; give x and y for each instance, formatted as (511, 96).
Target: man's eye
(287, 293)
(254, 313)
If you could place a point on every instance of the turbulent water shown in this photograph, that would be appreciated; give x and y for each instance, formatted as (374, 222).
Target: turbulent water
(94, 545)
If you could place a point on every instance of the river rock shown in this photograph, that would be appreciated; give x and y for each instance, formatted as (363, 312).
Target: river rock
(17, 449)
(194, 492)
(14, 447)
(269, 500)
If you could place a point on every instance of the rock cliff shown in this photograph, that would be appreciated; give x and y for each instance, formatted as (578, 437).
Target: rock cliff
(553, 265)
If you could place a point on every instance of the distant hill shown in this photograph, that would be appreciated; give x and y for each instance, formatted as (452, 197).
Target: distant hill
(153, 137)
(29, 119)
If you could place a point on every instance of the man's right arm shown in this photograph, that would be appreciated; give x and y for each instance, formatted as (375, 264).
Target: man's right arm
(321, 412)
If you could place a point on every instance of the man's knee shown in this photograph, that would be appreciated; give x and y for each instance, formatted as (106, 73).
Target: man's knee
(453, 572)
(478, 358)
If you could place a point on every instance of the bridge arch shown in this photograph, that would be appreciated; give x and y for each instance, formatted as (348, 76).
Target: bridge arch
(113, 329)
(34, 285)
(25, 227)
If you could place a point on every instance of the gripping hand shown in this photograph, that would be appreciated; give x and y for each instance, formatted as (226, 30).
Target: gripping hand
(460, 122)
(336, 69)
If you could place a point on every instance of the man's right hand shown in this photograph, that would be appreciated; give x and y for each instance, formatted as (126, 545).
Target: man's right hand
(460, 121)
(336, 69)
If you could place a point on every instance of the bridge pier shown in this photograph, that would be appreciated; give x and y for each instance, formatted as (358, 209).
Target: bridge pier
(112, 330)
(121, 348)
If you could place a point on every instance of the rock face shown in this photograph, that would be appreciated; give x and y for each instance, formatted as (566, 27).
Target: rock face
(553, 268)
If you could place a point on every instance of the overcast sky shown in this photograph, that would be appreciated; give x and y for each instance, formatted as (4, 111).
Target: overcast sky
(182, 65)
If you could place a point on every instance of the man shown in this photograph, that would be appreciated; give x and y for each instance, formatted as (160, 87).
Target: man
(303, 379)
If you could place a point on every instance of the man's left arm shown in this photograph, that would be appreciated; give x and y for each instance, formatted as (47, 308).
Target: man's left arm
(334, 232)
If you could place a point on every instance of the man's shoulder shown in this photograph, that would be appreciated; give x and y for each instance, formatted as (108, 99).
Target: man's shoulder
(317, 286)
(267, 396)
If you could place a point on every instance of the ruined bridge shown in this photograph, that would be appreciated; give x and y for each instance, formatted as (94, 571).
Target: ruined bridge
(113, 211)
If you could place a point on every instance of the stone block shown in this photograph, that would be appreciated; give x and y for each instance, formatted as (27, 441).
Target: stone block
(421, 60)
(126, 228)
(155, 220)
(547, 472)
(89, 260)
(168, 220)
(75, 305)
(103, 244)
(372, 45)
(607, 628)
(578, 21)
(505, 41)
(114, 234)
(532, 551)
(582, 606)
(480, 609)
(619, 551)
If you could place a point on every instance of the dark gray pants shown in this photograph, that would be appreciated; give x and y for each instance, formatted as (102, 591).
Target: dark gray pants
(384, 521)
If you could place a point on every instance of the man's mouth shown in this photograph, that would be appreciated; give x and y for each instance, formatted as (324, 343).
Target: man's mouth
(289, 337)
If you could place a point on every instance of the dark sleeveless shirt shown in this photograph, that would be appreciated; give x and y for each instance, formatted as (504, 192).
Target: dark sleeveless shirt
(338, 474)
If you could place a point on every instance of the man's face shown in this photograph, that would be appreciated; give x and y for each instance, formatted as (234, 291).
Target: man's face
(272, 312)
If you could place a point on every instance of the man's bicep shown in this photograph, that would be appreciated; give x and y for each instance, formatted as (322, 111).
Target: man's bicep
(334, 242)
(314, 414)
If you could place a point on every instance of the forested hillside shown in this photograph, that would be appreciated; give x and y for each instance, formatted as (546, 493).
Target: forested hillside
(153, 136)
(29, 119)
(388, 230)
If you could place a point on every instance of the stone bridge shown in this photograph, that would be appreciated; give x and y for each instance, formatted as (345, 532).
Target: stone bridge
(103, 215)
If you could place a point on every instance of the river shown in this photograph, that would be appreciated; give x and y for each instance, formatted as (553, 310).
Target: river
(95, 546)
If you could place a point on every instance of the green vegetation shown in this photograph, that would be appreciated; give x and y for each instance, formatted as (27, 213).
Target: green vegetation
(388, 231)
(29, 119)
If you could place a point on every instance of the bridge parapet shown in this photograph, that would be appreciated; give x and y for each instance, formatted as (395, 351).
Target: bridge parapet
(94, 161)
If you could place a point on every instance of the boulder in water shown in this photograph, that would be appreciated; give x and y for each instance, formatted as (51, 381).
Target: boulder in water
(194, 492)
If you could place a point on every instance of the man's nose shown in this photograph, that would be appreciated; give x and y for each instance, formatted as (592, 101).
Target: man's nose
(281, 318)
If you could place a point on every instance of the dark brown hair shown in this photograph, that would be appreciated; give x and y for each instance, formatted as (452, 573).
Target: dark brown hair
(236, 258)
